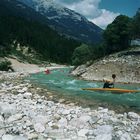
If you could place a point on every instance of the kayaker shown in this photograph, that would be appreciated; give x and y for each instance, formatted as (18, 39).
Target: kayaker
(109, 84)
(47, 71)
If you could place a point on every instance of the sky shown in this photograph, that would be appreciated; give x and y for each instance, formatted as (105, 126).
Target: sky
(102, 12)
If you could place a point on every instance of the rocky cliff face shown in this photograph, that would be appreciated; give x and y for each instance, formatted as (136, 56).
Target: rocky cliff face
(126, 65)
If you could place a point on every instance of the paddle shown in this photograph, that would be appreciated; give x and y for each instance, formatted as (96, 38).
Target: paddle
(113, 76)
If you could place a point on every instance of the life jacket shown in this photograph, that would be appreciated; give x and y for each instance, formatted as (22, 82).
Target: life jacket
(47, 71)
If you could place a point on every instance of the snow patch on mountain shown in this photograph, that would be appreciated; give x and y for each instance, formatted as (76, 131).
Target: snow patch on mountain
(66, 21)
(48, 6)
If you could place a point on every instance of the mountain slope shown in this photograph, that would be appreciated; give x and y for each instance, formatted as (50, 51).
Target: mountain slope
(66, 21)
(13, 7)
(19, 30)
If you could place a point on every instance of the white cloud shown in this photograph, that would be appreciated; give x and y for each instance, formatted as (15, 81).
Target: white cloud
(90, 9)
(105, 18)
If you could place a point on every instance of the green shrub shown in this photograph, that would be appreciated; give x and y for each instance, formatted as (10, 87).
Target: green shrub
(5, 65)
(81, 55)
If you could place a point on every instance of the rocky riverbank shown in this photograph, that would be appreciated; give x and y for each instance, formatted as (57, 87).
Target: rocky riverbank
(30, 113)
(126, 65)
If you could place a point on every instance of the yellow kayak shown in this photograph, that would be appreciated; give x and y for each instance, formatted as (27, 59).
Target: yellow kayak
(116, 90)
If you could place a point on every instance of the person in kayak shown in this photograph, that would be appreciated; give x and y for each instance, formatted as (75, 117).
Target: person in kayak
(47, 71)
(109, 84)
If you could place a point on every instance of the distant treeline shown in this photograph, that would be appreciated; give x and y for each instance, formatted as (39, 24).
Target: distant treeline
(117, 37)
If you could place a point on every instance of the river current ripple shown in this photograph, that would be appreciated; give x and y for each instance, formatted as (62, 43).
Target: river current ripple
(63, 84)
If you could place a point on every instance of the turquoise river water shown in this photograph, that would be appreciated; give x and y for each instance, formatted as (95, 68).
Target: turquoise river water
(63, 84)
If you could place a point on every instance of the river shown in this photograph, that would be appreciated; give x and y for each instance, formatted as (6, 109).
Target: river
(60, 82)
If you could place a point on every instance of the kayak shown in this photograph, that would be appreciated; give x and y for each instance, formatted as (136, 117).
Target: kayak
(116, 90)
